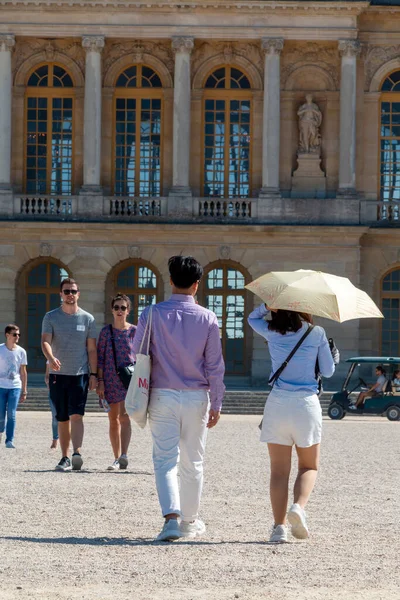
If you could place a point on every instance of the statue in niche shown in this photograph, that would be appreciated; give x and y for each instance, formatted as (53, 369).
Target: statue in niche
(310, 119)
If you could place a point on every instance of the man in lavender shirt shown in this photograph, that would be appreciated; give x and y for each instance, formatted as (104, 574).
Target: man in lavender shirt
(187, 390)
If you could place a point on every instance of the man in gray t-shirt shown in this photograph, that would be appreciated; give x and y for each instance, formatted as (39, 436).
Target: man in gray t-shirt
(69, 344)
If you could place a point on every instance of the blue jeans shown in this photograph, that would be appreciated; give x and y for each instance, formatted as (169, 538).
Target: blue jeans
(8, 406)
(54, 422)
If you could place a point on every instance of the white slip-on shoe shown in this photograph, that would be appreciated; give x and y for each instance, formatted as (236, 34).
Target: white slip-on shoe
(297, 519)
(114, 466)
(192, 530)
(279, 534)
(169, 532)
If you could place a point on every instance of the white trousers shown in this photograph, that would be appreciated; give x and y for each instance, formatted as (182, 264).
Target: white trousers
(178, 420)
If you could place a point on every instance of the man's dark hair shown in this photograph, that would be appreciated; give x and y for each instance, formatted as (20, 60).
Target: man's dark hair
(184, 271)
(10, 328)
(283, 321)
(68, 281)
(381, 369)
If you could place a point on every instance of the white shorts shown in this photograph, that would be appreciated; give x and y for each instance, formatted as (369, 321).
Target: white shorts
(292, 418)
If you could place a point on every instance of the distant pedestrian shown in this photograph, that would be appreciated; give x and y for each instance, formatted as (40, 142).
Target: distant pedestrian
(13, 381)
(54, 422)
(187, 372)
(69, 344)
(110, 387)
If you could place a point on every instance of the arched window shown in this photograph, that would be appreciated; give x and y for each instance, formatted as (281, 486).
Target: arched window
(390, 295)
(138, 133)
(49, 131)
(223, 292)
(390, 138)
(227, 134)
(140, 282)
(42, 289)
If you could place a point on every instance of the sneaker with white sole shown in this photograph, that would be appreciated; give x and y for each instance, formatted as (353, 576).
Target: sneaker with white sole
(77, 461)
(297, 519)
(9, 445)
(192, 530)
(279, 534)
(123, 461)
(64, 464)
(169, 532)
(114, 466)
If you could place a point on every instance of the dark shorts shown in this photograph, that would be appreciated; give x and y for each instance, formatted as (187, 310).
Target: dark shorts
(68, 394)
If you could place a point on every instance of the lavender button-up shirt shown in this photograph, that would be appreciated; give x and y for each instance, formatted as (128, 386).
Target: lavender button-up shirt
(185, 347)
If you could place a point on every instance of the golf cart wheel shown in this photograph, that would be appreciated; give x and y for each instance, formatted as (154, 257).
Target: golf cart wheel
(335, 412)
(393, 413)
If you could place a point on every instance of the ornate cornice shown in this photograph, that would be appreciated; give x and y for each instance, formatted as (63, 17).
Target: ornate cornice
(272, 45)
(7, 42)
(349, 48)
(93, 43)
(182, 44)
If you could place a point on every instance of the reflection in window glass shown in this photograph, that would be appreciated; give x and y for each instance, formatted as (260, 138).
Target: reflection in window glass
(140, 284)
(390, 145)
(215, 279)
(390, 326)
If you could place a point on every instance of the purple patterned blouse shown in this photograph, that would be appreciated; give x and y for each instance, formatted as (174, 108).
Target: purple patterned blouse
(114, 391)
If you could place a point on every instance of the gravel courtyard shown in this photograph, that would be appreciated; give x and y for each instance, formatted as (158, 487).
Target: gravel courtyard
(89, 535)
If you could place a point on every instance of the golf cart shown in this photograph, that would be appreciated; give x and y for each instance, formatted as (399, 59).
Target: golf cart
(387, 401)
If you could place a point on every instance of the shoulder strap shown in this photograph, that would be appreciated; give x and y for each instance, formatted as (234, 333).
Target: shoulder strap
(283, 366)
(113, 348)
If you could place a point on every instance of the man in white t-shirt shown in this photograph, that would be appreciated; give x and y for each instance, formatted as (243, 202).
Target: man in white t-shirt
(374, 390)
(13, 381)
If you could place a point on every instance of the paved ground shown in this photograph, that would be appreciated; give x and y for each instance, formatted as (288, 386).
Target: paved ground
(88, 535)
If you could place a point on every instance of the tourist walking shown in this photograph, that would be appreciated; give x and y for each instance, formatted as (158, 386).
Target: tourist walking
(69, 345)
(187, 373)
(292, 414)
(110, 388)
(13, 382)
(54, 422)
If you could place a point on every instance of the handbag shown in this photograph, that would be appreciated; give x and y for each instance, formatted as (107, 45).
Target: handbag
(336, 359)
(272, 380)
(124, 373)
(137, 396)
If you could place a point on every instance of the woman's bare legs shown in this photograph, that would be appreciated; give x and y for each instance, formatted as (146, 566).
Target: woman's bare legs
(126, 430)
(281, 460)
(307, 473)
(115, 429)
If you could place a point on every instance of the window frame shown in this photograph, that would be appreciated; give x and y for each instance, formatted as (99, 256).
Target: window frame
(388, 295)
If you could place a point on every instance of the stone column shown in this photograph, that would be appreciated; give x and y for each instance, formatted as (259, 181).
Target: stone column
(7, 43)
(93, 44)
(272, 48)
(182, 46)
(349, 50)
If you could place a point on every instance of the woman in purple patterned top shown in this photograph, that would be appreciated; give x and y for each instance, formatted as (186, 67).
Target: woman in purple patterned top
(110, 388)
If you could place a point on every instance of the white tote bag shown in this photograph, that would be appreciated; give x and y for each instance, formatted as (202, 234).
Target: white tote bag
(137, 396)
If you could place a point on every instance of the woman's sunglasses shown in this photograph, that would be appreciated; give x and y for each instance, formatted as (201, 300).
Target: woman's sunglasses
(123, 308)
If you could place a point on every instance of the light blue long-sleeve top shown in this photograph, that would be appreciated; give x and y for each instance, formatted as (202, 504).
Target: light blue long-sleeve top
(299, 375)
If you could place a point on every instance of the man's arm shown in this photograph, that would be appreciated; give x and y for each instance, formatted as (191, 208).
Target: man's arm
(24, 379)
(92, 356)
(215, 370)
(48, 352)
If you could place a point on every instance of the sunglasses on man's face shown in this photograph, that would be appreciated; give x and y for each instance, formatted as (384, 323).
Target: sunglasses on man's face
(123, 308)
(73, 292)
(16, 334)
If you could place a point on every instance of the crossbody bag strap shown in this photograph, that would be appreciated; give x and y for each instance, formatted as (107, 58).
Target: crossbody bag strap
(283, 366)
(113, 348)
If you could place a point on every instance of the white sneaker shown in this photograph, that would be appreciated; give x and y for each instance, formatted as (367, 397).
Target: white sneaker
(297, 519)
(169, 532)
(123, 461)
(192, 530)
(279, 534)
(9, 445)
(114, 466)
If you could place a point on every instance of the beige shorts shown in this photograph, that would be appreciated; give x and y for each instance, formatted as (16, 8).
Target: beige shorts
(292, 418)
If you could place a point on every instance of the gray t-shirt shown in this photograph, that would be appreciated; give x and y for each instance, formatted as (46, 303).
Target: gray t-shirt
(69, 339)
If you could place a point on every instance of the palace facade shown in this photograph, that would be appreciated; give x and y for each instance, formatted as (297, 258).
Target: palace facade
(133, 131)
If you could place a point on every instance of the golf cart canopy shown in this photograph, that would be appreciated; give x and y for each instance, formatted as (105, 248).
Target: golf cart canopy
(379, 360)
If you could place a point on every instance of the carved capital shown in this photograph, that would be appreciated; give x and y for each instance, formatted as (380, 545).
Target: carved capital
(7, 42)
(272, 45)
(182, 44)
(349, 48)
(93, 43)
